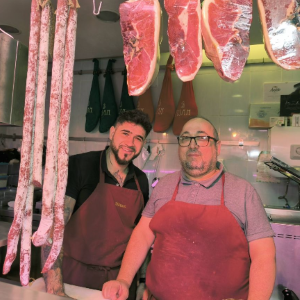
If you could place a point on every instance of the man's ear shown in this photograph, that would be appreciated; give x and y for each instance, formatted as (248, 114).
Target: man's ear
(111, 132)
(218, 147)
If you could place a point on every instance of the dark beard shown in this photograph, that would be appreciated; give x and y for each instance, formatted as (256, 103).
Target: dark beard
(120, 161)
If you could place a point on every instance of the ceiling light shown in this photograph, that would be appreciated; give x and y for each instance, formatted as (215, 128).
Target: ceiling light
(10, 29)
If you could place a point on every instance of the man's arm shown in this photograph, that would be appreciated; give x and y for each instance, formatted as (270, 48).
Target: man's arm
(53, 278)
(262, 269)
(139, 244)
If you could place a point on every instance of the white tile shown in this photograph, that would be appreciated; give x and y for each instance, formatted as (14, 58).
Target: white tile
(207, 92)
(259, 75)
(234, 98)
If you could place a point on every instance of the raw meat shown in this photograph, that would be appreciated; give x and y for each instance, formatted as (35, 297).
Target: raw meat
(184, 31)
(26, 150)
(225, 30)
(280, 23)
(140, 27)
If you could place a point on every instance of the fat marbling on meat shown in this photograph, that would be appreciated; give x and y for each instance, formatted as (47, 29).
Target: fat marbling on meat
(140, 27)
(225, 30)
(281, 24)
(184, 32)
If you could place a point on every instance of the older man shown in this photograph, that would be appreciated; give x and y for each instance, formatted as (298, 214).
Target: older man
(211, 237)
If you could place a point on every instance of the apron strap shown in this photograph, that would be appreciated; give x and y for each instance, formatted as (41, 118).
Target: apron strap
(102, 174)
(176, 189)
(222, 196)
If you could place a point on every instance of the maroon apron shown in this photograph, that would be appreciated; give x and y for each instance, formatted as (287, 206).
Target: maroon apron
(200, 252)
(97, 234)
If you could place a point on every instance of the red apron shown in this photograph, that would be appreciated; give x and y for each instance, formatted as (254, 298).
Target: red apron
(200, 252)
(97, 234)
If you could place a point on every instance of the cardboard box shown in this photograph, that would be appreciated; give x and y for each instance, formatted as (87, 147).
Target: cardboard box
(260, 114)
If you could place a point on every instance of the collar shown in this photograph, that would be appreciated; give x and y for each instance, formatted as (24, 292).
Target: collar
(130, 173)
(205, 183)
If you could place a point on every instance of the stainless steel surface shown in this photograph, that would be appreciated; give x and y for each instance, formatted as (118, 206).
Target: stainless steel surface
(283, 215)
(13, 292)
(13, 71)
(4, 228)
(287, 241)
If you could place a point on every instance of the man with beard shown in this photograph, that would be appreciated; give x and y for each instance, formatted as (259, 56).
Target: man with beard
(107, 193)
(212, 239)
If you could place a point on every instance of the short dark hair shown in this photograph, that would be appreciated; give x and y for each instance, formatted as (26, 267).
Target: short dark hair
(137, 117)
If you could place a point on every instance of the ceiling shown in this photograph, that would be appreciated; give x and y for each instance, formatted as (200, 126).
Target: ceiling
(95, 38)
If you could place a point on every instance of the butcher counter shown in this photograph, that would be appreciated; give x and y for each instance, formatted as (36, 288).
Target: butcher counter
(11, 291)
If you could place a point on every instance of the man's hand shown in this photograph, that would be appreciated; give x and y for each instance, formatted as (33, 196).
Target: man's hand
(115, 290)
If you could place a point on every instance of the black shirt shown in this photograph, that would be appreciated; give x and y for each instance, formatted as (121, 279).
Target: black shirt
(84, 175)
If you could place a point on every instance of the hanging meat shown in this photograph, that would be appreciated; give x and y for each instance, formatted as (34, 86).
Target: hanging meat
(62, 84)
(280, 23)
(109, 110)
(166, 106)
(186, 108)
(225, 30)
(25, 174)
(41, 235)
(140, 27)
(184, 31)
(145, 104)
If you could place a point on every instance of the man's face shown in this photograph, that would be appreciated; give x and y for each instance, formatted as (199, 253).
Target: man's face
(127, 140)
(199, 162)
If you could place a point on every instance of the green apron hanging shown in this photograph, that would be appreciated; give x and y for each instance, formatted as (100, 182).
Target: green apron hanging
(109, 111)
(126, 102)
(92, 115)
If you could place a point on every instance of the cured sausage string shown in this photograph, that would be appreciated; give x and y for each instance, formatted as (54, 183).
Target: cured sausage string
(26, 153)
(41, 235)
(63, 144)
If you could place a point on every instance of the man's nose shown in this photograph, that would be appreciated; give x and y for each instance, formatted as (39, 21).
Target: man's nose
(193, 144)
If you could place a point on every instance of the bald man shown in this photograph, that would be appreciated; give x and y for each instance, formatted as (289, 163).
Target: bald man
(212, 239)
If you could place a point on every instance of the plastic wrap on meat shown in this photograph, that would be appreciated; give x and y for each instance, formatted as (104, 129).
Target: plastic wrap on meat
(225, 30)
(140, 27)
(184, 31)
(281, 24)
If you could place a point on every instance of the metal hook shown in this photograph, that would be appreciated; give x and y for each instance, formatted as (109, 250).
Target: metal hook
(94, 8)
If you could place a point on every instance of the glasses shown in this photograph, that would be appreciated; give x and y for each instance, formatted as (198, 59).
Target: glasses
(201, 141)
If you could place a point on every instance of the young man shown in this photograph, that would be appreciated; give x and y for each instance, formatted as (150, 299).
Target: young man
(212, 239)
(107, 193)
